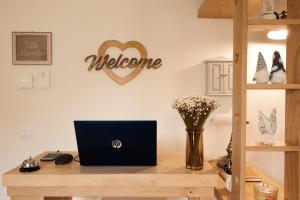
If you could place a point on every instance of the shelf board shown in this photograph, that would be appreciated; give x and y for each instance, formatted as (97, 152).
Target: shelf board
(256, 25)
(273, 86)
(275, 22)
(253, 146)
(223, 9)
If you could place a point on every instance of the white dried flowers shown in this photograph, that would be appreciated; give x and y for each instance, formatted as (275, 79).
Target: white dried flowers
(194, 109)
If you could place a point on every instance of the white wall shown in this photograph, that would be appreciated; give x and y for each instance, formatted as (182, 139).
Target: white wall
(168, 28)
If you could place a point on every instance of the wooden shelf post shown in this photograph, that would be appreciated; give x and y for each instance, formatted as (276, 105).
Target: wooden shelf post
(292, 109)
(240, 24)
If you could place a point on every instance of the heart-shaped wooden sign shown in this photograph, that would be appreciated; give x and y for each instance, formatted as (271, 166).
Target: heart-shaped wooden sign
(103, 61)
(123, 46)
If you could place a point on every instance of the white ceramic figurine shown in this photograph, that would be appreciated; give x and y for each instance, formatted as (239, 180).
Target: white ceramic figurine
(267, 127)
(262, 73)
(267, 9)
(278, 74)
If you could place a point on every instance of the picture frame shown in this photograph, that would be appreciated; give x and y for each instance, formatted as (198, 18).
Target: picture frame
(31, 48)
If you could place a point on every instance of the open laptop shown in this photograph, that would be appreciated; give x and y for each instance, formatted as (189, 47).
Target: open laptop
(127, 143)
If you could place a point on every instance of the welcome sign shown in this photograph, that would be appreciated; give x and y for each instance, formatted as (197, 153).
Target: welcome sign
(104, 61)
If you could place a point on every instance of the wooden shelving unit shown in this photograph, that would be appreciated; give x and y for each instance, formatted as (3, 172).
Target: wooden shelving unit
(274, 22)
(223, 9)
(278, 146)
(256, 25)
(242, 26)
(273, 86)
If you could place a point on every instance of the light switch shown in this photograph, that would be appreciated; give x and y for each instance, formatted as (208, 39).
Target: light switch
(41, 78)
(24, 80)
(27, 132)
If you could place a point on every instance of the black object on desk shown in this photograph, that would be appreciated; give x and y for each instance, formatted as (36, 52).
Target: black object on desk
(63, 159)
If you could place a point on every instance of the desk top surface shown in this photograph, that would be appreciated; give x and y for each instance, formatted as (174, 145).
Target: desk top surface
(170, 170)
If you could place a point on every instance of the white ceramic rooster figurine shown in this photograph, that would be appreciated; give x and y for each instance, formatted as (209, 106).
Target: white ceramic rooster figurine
(267, 127)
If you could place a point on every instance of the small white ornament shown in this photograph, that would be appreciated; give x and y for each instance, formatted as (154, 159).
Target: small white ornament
(228, 182)
(267, 9)
(262, 73)
(267, 127)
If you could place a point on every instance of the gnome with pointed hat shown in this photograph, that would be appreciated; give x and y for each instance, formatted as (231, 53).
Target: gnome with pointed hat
(261, 74)
(278, 74)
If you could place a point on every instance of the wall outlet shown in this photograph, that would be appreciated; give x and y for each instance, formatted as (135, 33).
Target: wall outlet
(27, 132)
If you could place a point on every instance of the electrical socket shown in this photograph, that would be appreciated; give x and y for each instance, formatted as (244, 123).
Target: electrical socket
(27, 132)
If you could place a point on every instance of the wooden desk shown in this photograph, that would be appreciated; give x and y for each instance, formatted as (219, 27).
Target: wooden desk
(169, 178)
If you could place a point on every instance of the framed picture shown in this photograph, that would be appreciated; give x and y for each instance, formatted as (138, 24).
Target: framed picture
(32, 48)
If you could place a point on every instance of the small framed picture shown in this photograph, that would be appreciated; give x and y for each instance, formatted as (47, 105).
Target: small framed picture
(32, 48)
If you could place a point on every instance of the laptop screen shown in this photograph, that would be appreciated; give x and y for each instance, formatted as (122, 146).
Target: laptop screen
(117, 142)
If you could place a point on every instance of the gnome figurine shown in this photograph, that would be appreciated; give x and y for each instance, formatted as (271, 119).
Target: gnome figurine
(278, 74)
(261, 74)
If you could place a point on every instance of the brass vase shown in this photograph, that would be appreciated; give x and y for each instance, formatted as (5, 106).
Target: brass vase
(194, 149)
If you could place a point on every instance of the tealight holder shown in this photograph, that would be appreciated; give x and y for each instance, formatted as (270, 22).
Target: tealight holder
(265, 191)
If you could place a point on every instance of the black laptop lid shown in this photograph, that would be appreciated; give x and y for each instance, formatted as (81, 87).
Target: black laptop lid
(116, 142)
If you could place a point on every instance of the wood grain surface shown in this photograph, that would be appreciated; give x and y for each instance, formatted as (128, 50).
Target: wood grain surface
(169, 178)
(224, 9)
(122, 46)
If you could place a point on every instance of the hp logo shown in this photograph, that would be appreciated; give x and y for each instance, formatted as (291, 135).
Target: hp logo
(116, 144)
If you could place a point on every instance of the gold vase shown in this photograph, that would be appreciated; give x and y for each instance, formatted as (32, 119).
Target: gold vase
(194, 149)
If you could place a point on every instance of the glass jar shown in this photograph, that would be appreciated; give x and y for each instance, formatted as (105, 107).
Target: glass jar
(265, 191)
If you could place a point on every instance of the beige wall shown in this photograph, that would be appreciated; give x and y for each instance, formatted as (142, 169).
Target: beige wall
(168, 28)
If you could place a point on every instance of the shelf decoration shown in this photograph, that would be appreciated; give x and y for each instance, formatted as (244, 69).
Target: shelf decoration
(278, 74)
(107, 63)
(225, 162)
(267, 127)
(267, 9)
(194, 111)
(227, 166)
(262, 73)
(282, 15)
(266, 191)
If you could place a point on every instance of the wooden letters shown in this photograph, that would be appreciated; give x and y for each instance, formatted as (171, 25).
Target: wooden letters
(106, 63)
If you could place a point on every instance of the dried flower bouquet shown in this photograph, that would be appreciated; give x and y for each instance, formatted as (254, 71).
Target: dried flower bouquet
(194, 110)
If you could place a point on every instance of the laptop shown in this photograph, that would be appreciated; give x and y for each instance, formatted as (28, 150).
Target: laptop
(116, 143)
